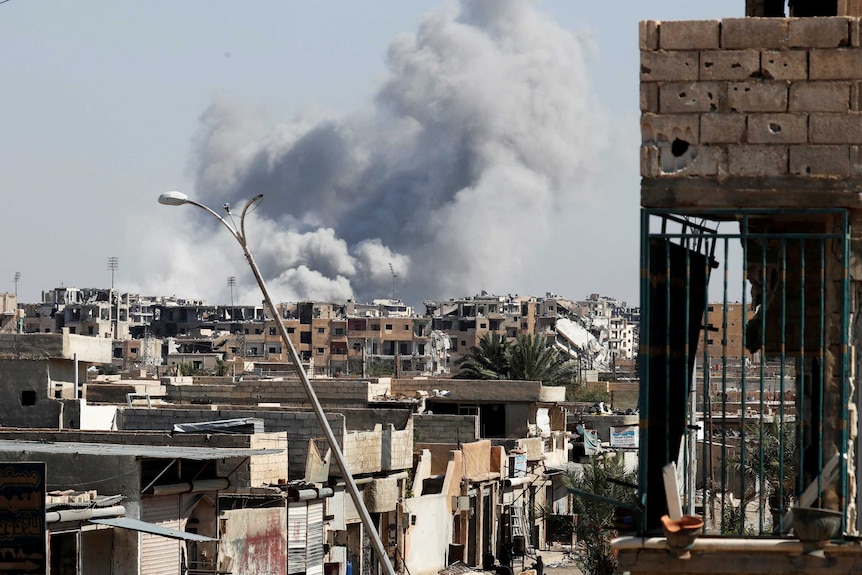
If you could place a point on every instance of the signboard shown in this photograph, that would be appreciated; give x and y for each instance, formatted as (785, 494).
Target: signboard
(517, 465)
(22, 518)
(625, 436)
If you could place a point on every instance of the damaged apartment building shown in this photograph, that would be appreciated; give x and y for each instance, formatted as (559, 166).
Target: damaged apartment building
(751, 182)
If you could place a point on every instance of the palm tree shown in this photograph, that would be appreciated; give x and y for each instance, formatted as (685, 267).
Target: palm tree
(490, 360)
(596, 526)
(531, 359)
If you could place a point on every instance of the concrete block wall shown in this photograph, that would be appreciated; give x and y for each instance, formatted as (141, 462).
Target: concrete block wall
(383, 448)
(397, 448)
(301, 426)
(751, 98)
(268, 469)
(451, 429)
(381, 495)
(330, 392)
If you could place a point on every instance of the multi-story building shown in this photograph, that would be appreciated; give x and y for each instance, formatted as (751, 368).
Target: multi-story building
(8, 313)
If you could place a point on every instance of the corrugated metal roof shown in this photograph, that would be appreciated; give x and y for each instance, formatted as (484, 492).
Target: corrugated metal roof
(151, 451)
(143, 526)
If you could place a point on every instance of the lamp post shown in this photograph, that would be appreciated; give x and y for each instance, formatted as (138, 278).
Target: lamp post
(178, 199)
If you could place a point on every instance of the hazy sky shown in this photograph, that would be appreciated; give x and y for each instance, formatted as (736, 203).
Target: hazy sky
(476, 145)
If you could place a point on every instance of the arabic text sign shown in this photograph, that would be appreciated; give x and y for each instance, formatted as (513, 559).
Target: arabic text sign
(22, 518)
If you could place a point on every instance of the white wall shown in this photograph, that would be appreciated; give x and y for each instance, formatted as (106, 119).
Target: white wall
(428, 540)
(98, 417)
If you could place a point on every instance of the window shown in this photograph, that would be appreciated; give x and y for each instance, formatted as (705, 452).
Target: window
(483, 325)
(388, 326)
(321, 330)
(305, 337)
(72, 330)
(90, 330)
(339, 331)
(273, 350)
(258, 331)
(463, 343)
(320, 350)
(133, 350)
(406, 327)
(375, 327)
(291, 330)
(28, 397)
(272, 331)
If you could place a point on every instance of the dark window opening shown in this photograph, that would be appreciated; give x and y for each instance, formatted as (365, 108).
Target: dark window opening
(28, 397)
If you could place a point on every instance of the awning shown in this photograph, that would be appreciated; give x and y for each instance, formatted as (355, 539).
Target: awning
(152, 528)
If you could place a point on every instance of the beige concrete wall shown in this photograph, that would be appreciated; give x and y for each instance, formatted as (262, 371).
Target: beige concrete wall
(472, 390)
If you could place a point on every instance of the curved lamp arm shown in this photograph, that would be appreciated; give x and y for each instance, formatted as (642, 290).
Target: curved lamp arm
(179, 199)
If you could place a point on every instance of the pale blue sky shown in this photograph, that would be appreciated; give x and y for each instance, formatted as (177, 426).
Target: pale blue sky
(102, 103)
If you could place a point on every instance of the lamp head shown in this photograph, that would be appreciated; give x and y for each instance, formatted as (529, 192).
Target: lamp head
(173, 198)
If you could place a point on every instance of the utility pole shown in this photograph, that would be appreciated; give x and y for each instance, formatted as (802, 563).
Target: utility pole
(113, 266)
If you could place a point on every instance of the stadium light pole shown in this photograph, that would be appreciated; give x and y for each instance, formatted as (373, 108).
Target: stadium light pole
(179, 199)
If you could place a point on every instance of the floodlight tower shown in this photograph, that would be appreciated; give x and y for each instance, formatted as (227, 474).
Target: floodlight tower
(113, 266)
(394, 277)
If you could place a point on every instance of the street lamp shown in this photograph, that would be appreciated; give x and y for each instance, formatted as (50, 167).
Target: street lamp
(178, 199)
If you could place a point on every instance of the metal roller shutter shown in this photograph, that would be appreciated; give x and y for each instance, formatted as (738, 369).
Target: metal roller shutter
(160, 555)
(296, 537)
(314, 550)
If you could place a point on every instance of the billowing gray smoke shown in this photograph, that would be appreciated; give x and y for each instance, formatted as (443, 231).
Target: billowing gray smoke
(480, 132)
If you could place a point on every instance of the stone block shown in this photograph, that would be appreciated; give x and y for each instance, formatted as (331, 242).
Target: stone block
(856, 96)
(691, 160)
(757, 160)
(729, 64)
(819, 97)
(850, 7)
(649, 97)
(835, 128)
(818, 32)
(854, 33)
(692, 97)
(784, 64)
(820, 161)
(856, 163)
(838, 64)
(649, 162)
(777, 129)
(689, 35)
(757, 96)
(720, 128)
(649, 33)
(669, 66)
(667, 128)
(761, 33)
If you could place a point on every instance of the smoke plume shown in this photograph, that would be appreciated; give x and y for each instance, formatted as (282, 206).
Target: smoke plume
(482, 130)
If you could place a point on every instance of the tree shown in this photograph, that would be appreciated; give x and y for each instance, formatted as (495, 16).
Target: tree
(490, 360)
(595, 528)
(531, 359)
(769, 470)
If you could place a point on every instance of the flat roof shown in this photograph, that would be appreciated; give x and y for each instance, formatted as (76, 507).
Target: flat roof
(150, 451)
